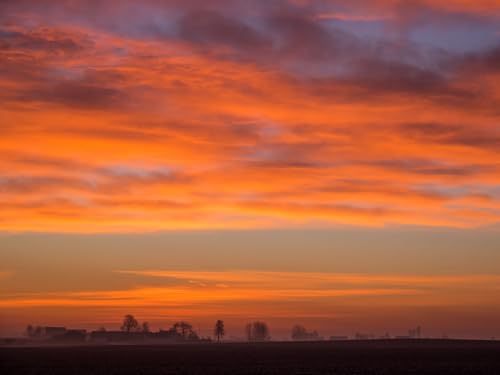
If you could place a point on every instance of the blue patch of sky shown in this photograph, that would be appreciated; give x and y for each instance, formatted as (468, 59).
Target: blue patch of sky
(363, 29)
(458, 39)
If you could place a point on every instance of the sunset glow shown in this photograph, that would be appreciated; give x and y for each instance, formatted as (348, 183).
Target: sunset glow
(374, 117)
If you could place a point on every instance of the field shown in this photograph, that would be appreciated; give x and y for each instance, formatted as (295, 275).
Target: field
(353, 357)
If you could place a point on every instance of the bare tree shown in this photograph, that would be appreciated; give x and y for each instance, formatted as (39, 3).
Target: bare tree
(145, 327)
(38, 331)
(260, 331)
(129, 323)
(183, 328)
(186, 329)
(30, 331)
(257, 331)
(248, 331)
(219, 329)
(298, 332)
(301, 333)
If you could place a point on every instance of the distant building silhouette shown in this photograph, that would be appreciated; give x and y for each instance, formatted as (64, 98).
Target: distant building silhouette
(130, 333)
(179, 332)
(72, 335)
(364, 336)
(53, 331)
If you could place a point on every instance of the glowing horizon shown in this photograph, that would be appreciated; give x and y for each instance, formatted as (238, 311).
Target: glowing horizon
(306, 297)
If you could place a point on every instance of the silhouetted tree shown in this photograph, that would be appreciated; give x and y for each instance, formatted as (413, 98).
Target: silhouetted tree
(257, 331)
(30, 331)
(177, 328)
(248, 331)
(145, 327)
(260, 331)
(129, 323)
(38, 331)
(300, 333)
(184, 329)
(219, 330)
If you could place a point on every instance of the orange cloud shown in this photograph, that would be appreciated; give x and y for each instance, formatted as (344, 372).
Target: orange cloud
(287, 124)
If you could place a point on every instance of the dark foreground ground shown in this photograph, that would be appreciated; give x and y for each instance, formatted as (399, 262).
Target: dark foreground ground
(357, 357)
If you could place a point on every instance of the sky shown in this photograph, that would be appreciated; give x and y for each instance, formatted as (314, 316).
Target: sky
(329, 163)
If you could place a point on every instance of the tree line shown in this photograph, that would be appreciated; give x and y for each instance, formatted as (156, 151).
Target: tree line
(257, 331)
